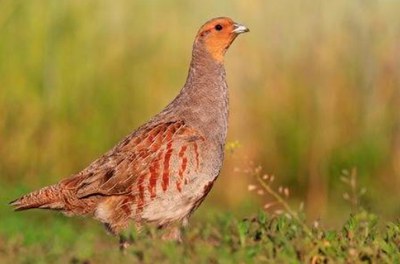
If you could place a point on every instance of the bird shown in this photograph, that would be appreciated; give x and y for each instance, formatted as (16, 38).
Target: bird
(161, 172)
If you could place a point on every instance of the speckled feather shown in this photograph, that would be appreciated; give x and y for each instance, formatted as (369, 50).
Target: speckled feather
(163, 170)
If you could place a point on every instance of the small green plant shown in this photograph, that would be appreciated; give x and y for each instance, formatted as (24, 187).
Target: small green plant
(359, 240)
(280, 197)
(354, 193)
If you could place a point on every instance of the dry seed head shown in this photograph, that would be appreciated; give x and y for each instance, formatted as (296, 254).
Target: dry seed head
(278, 212)
(251, 187)
(286, 192)
(344, 179)
(268, 205)
(260, 192)
(301, 206)
(353, 180)
(272, 178)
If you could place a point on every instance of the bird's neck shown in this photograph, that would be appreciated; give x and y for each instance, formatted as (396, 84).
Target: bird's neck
(206, 77)
(204, 97)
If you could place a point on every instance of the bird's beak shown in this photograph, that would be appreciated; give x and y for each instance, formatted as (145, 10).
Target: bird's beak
(239, 28)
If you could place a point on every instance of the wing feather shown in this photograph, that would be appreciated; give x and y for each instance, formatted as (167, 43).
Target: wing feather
(140, 155)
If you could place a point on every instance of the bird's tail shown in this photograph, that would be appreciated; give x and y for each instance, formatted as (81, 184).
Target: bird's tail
(46, 198)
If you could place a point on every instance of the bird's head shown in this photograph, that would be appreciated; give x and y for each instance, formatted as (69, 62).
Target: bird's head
(218, 34)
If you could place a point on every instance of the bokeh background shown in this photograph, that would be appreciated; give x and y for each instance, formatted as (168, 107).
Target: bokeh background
(314, 89)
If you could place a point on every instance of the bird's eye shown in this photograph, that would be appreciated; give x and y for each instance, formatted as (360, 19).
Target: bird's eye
(218, 27)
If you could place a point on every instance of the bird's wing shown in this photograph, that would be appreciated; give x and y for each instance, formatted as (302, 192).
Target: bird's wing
(144, 163)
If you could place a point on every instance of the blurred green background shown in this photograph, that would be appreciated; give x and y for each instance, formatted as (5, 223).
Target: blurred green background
(314, 89)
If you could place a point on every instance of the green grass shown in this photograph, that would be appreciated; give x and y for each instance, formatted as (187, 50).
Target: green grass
(313, 88)
(216, 238)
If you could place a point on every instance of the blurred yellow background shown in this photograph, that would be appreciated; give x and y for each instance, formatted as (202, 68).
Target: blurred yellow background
(314, 89)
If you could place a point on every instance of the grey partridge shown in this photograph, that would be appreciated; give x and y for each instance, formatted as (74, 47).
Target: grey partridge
(163, 171)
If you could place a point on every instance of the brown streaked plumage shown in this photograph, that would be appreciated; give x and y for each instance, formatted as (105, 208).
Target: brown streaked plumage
(162, 171)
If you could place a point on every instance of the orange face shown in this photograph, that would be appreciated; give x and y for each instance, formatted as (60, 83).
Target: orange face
(218, 34)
